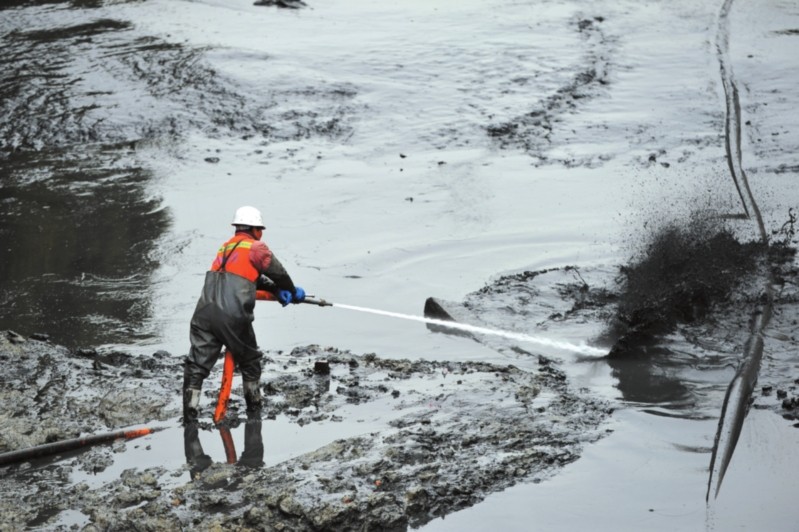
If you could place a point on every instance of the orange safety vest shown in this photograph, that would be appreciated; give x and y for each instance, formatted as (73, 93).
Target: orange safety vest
(234, 257)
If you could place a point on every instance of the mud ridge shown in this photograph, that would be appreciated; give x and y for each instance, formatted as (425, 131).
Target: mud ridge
(532, 132)
(63, 87)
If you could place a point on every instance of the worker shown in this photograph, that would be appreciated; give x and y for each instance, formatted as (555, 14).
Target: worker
(224, 312)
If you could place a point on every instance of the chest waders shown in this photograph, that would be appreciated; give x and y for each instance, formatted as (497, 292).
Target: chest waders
(223, 316)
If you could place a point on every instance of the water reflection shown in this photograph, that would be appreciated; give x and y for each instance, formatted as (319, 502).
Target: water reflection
(643, 378)
(252, 456)
(78, 236)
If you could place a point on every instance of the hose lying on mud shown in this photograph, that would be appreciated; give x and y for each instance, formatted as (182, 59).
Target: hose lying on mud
(63, 446)
(736, 404)
(736, 401)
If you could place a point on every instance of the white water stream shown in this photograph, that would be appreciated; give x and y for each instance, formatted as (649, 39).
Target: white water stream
(583, 349)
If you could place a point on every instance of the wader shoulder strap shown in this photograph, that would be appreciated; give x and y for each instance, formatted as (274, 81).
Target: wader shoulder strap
(226, 257)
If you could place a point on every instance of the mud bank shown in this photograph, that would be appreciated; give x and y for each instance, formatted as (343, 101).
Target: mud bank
(435, 437)
(50, 393)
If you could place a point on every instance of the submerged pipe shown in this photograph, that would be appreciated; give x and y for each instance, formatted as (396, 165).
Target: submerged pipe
(737, 398)
(63, 446)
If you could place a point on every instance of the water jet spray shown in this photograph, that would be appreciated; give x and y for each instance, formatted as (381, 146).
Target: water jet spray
(582, 348)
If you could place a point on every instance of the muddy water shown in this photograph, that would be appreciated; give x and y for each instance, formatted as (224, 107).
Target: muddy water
(399, 153)
(80, 224)
(80, 245)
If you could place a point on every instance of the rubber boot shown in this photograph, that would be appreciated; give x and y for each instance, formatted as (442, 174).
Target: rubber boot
(252, 396)
(191, 403)
(195, 456)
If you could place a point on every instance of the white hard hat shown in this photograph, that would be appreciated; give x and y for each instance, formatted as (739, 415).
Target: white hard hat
(248, 216)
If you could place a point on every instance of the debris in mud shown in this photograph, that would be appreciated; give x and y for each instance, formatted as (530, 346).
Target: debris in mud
(290, 4)
(452, 433)
(784, 403)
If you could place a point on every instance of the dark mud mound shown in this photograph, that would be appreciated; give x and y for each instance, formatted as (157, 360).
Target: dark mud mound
(681, 275)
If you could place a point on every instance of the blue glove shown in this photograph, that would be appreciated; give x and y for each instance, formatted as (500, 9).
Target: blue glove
(299, 295)
(284, 296)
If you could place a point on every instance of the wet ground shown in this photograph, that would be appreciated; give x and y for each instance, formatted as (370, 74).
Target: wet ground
(410, 441)
(515, 161)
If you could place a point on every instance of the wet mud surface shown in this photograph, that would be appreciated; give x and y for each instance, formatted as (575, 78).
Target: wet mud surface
(90, 94)
(538, 129)
(51, 393)
(108, 81)
(451, 434)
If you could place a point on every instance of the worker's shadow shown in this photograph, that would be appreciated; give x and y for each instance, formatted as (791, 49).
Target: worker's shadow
(198, 461)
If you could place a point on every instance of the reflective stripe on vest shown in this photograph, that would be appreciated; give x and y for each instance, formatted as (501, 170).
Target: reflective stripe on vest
(234, 257)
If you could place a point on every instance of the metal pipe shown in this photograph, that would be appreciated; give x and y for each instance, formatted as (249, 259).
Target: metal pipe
(70, 445)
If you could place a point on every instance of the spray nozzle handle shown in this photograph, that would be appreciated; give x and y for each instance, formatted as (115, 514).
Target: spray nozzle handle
(318, 302)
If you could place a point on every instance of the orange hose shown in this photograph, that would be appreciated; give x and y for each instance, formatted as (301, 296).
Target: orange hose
(227, 442)
(264, 295)
(137, 433)
(224, 390)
